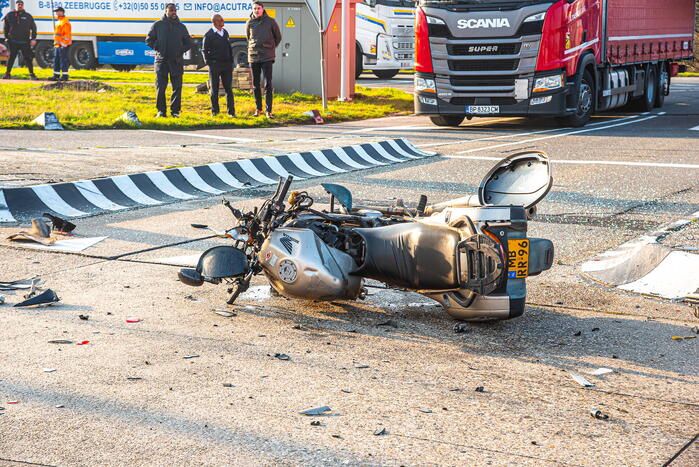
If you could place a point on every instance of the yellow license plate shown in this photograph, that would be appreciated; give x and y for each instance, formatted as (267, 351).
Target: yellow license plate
(518, 258)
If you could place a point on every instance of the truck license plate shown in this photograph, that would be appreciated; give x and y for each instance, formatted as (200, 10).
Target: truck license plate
(482, 109)
(518, 258)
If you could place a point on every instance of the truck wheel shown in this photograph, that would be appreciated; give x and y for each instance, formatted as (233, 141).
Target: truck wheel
(358, 62)
(240, 55)
(385, 74)
(82, 57)
(118, 67)
(584, 104)
(648, 100)
(662, 84)
(44, 54)
(447, 120)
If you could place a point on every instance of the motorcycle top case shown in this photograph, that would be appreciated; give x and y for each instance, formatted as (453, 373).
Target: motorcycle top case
(522, 179)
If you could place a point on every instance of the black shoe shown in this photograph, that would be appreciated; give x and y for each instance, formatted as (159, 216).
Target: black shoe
(213, 114)
(161, 115)
(54, 78)
(64, 78)
(231, 114)
(6, 76)
(33, 77)
(175, 115)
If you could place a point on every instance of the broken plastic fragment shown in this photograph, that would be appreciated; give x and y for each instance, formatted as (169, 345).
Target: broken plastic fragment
(425, 410)
(60, 406)
(380, 432)
(282, 356)
(60, 341)
(315, 423)
(480, 389)
(133, 320)
(460, 328)
(582, 381)
(601, 371)
(82, 343)
(674, 338)
(190, 356)
(315, 411)
(598, 414)
(225, 314)
(45, 298)
(13, 402)
(39, 233)
(49, 370)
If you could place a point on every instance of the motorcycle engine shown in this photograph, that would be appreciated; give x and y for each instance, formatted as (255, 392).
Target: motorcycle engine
(299, 264)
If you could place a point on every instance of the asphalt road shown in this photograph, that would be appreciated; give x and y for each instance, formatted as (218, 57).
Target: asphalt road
(130, 396)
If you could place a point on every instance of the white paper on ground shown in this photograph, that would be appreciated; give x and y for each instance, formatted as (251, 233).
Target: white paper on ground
(582, 381)
(71, 245)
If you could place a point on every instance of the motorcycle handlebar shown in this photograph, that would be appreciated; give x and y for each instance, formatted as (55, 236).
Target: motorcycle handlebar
(285, 189)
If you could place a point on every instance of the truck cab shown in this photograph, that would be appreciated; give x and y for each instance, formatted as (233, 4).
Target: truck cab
(384, 35)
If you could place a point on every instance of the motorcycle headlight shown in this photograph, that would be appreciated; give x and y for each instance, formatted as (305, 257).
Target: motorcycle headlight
(548, 83)
(536, 17)
(424, 84)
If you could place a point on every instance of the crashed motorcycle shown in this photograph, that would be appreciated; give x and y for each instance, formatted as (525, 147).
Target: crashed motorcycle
(470, 254)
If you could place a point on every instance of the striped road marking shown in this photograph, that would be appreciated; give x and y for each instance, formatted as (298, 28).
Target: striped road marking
(89, 197)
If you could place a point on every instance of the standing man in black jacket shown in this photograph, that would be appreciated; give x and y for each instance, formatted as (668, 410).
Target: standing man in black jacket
(219, 58)
(20, 31)
(263, 36)
(170, 38)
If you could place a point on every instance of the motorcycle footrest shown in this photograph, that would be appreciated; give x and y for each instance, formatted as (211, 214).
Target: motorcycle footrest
(480, 264)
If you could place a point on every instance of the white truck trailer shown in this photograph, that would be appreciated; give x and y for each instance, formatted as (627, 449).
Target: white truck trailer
(384, 36)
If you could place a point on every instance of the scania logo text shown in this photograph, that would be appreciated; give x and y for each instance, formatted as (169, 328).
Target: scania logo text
(483, 23)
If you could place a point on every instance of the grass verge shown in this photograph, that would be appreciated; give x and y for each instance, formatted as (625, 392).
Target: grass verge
(20, 103)
(107, 75)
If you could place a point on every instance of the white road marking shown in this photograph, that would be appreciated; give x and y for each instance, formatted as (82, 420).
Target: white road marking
(696, 128)
(428, 128)
(222, 172)
(199, 135)
(197, 182)
(320, 157)
(89, 190)
(47, 194)
(299, 162)
(5, 214)
(587, 130)
(252, 171)
(274, 164)
(344, 157)
(675, 277)
(363, 154)
(164, 184)
(129, 188)
(582, 162)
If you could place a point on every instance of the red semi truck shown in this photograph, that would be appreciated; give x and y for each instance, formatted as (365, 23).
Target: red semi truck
(565, 58)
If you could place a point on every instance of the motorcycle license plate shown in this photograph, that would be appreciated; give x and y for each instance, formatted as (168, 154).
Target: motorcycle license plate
(518, 258)
(482, 109)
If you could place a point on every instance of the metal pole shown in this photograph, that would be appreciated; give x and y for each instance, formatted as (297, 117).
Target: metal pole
(344, 52)
(323, 93)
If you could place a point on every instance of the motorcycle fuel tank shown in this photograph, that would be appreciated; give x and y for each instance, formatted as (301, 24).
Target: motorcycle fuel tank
(299, 264)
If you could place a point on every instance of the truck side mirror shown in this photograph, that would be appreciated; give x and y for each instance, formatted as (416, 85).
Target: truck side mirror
(371, 3)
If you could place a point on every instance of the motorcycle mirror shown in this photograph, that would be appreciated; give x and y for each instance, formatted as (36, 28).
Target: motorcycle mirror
(341, 194)
(190, 277)
(522, 179)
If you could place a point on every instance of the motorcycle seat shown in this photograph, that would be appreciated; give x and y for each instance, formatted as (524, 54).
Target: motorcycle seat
(411, 255)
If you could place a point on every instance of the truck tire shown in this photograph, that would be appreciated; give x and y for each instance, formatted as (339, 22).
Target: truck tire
(240, 55)
(447, 120)
(647, 102)
(43, 52)
(584, 104)
(82, 57)
(385, 74)
(118, 67)
(358, 62)
(662, 83)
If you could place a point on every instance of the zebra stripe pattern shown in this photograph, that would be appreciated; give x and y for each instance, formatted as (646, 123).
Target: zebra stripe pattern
(90, 197)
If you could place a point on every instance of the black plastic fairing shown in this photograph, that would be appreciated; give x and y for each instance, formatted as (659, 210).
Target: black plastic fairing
(222, 261)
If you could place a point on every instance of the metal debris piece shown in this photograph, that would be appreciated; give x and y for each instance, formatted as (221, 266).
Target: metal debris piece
(225, 314)
(676, 338)
(425, 410)
(581, 381)
(228, 385)
(2, 299)
(601, 371)
(346, 391)
(315, 411)
(59, 406)
(84, 317)
(282, 356)
(598, 414)
(315, 423)
(362, 366)
(60, 341)
(480, 389)
(134, 378)
(460, 328)
(579, 333)
(49, 370)
(190, 356)
(45, 298)
(382, 431)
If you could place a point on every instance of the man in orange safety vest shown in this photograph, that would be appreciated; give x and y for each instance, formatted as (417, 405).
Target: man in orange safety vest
(62, 38)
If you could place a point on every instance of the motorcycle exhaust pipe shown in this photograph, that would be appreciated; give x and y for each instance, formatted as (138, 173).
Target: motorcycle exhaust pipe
(470, 201)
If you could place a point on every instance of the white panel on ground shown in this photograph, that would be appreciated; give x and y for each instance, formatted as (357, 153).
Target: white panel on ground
(71, 245)
(675, 277)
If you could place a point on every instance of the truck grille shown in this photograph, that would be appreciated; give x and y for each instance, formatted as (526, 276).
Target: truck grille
(484, 49)
(459, 81)
(483, 100)
(483, 65)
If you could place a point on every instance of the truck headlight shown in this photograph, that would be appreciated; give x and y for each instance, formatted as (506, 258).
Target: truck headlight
(424, 84)
(433, 20)
(536, 17)
(548, 83)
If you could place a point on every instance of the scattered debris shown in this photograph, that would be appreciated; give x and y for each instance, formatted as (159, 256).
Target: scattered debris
(382, 431)
(581, 381)
(59, 225)
(60, 341)
(579, 333)
(346, 391)
(48, 120)
(49, 370)
(130, 118)
(2, 299)
(315, 115)
(480, 389)
(39, 233)
(425, 410)
(601, 371)
(316, 423)
(191, 297)
(228, 385)
(390, 323)
(190, 356)
(82, 343)
(84, 317)
(59, 406)
(595, 329)
(675, 338)
(13, 402)
(362, 366)
(315, 411)
(22, 284)
(225, 314)
(461, 328)
(134, 378)
(78, 85)
(282, 356)
(598, 414)
(299, 327)
(45, 298)
(133, 320)
(455, 389)
(337, 436)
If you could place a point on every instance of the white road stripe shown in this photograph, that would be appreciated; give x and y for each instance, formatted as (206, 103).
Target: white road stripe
(583, 162)
(675, 277)
(249, 168)
(435, 128)
(129, 188)
(363, 154)
(5, 214)
(199, 135)
(194, 179)
(587, 130)
(89, 190)
(222, 172)
(344, 157)
(274, 164)
(402, 151)
(47, 194)
(320, 157)
(164, 184)
(385, 153)
(298, 161)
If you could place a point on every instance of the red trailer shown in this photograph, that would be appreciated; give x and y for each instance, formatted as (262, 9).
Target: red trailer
(565, 58)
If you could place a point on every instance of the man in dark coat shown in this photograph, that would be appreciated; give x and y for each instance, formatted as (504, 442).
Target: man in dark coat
(170, 38)
(20, 32)
(263, 36)
(219, 57)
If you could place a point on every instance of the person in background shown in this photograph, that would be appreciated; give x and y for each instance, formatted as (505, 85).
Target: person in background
(170, 39)
(62, 38)
(219, 57)
(263, 36)
(20, 32)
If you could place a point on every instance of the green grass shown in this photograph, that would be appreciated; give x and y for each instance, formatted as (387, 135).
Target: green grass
(107, 75)
(20, 103)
